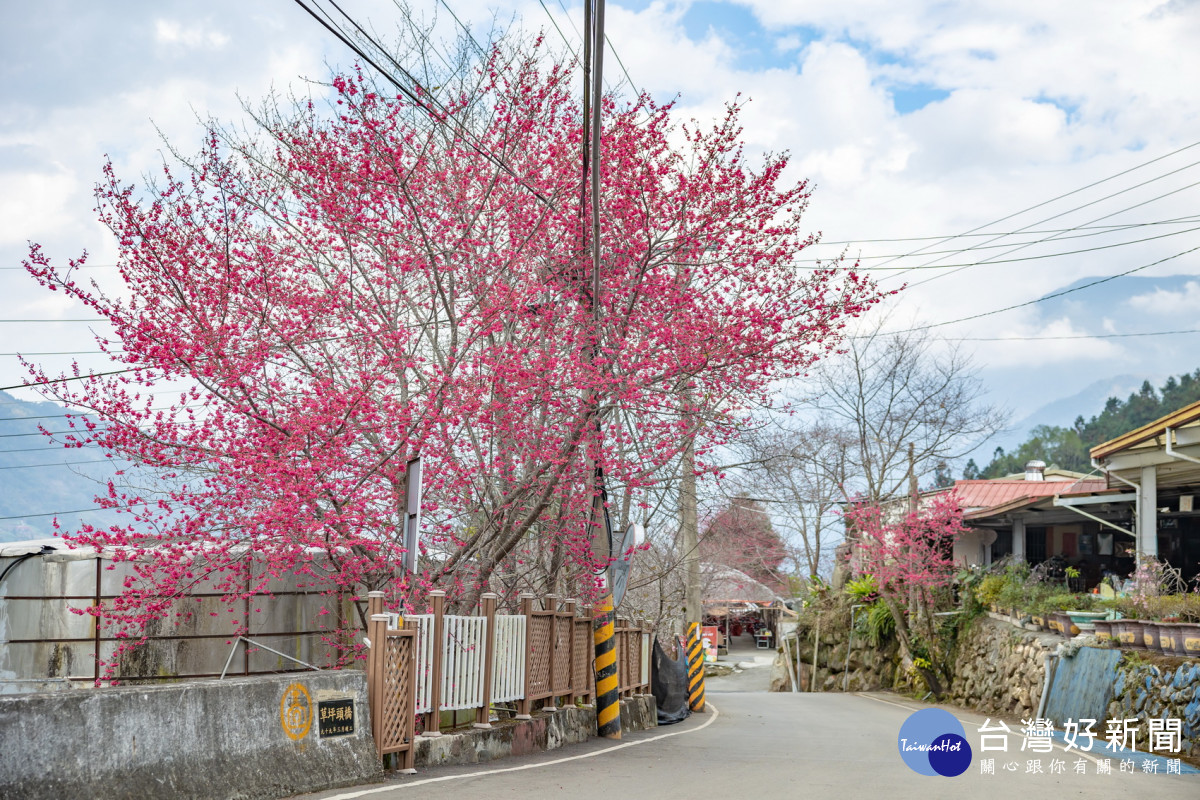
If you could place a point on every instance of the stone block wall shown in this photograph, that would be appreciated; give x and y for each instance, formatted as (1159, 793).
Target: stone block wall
(870, 668)
(1000, 668)
(1169, 689)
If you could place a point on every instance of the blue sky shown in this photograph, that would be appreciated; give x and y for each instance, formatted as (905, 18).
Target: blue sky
(915, 119)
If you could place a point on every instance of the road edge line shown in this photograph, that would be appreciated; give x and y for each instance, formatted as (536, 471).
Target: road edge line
(406, 784)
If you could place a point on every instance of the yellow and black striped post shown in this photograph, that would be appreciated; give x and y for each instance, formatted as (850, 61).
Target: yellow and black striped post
(608, 701)
(695, 660)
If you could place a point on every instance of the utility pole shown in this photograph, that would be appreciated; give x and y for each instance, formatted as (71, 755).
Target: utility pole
(608, 705)
(693, 602)
(690, 534)
(914, 494)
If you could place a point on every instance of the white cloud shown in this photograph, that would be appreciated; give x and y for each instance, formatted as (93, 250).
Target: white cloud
(1019, 351)
(1162, 302)
(1043, 98)
(199, 36)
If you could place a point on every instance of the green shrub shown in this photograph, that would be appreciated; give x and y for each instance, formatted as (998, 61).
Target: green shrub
(876, 623)
(989, 588)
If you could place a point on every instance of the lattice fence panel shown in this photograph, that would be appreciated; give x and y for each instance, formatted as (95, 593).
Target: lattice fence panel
(396, 726)
(624, 662)
(562, 656)
(539, 657)
(635, 658)
(582, 674)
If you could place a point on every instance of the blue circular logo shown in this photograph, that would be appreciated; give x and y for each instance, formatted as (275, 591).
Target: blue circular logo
(933, 742)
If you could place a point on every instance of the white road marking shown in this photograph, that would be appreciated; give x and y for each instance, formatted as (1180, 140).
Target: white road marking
(406, 784)
(1061, 746)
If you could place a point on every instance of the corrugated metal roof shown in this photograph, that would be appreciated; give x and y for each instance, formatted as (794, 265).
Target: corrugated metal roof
(988, 493)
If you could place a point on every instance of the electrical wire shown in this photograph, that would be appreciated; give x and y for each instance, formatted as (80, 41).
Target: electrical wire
(441, 117)
(1064, 338)
(63, 464)
(38, 449)
(1093, 232)
(56, 513)
(1064, 195)
(1101, 229)
(1038, 300)
(1097, 219)
(1060, 254)
(34, 433)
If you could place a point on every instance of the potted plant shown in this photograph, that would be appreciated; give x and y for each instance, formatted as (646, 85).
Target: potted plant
(1189, 624)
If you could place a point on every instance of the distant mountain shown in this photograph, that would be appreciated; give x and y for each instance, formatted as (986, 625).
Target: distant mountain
(1157, 298)
(1062, 412)
(1087, 402)
(40, 478)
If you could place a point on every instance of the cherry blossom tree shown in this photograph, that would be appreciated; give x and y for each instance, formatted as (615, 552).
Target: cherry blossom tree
(910, 556)
(348, 287)
(741, 536)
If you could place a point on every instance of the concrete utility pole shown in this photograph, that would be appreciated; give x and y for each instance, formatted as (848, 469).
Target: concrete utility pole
(914, 494)
(608, 700)
(690, 535)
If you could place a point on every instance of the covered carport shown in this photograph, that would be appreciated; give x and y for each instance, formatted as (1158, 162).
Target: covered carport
(1158, 465)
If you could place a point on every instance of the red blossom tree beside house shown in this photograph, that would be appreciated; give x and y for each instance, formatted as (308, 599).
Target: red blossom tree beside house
(347, 290)
(911, 557)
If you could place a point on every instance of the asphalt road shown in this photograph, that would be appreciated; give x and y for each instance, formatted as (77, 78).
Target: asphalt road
(775, 746)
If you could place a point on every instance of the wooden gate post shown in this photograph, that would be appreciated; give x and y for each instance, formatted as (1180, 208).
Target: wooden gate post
(569, 607)
(374, 604)
(525, 705)
(483, 717)
(551, 602)
(433, 717)
(377, 675)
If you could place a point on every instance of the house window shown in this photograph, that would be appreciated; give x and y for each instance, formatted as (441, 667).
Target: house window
(1002, 546)
(1035, 545)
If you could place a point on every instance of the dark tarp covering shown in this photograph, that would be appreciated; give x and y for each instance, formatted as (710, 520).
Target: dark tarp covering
(669, 682)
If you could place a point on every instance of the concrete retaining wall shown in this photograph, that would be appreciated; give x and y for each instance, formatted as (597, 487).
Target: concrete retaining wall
(240, 738)
(520, 737)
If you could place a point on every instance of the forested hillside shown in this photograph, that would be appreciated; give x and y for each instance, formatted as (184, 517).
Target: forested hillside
(1067, 448)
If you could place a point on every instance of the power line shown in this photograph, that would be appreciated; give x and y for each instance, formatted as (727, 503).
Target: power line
(1062, 196)
(1040, 299)
(1063, 338)
(40, 449)
(64, 464)
(1029, 258)
(56, 513)
(49, 381)
(27, 321)
(67, 353)
(1100, 228)
(34, 433)
(1093, 232)
(1097, 219)
(441, 117)
(82, 510)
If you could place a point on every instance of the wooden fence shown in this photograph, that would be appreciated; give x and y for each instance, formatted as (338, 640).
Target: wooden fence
(423, 664)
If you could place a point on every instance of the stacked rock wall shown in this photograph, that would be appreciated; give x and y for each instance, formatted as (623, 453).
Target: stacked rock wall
(1166, 690)
(1000, 668)
(870, 668)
